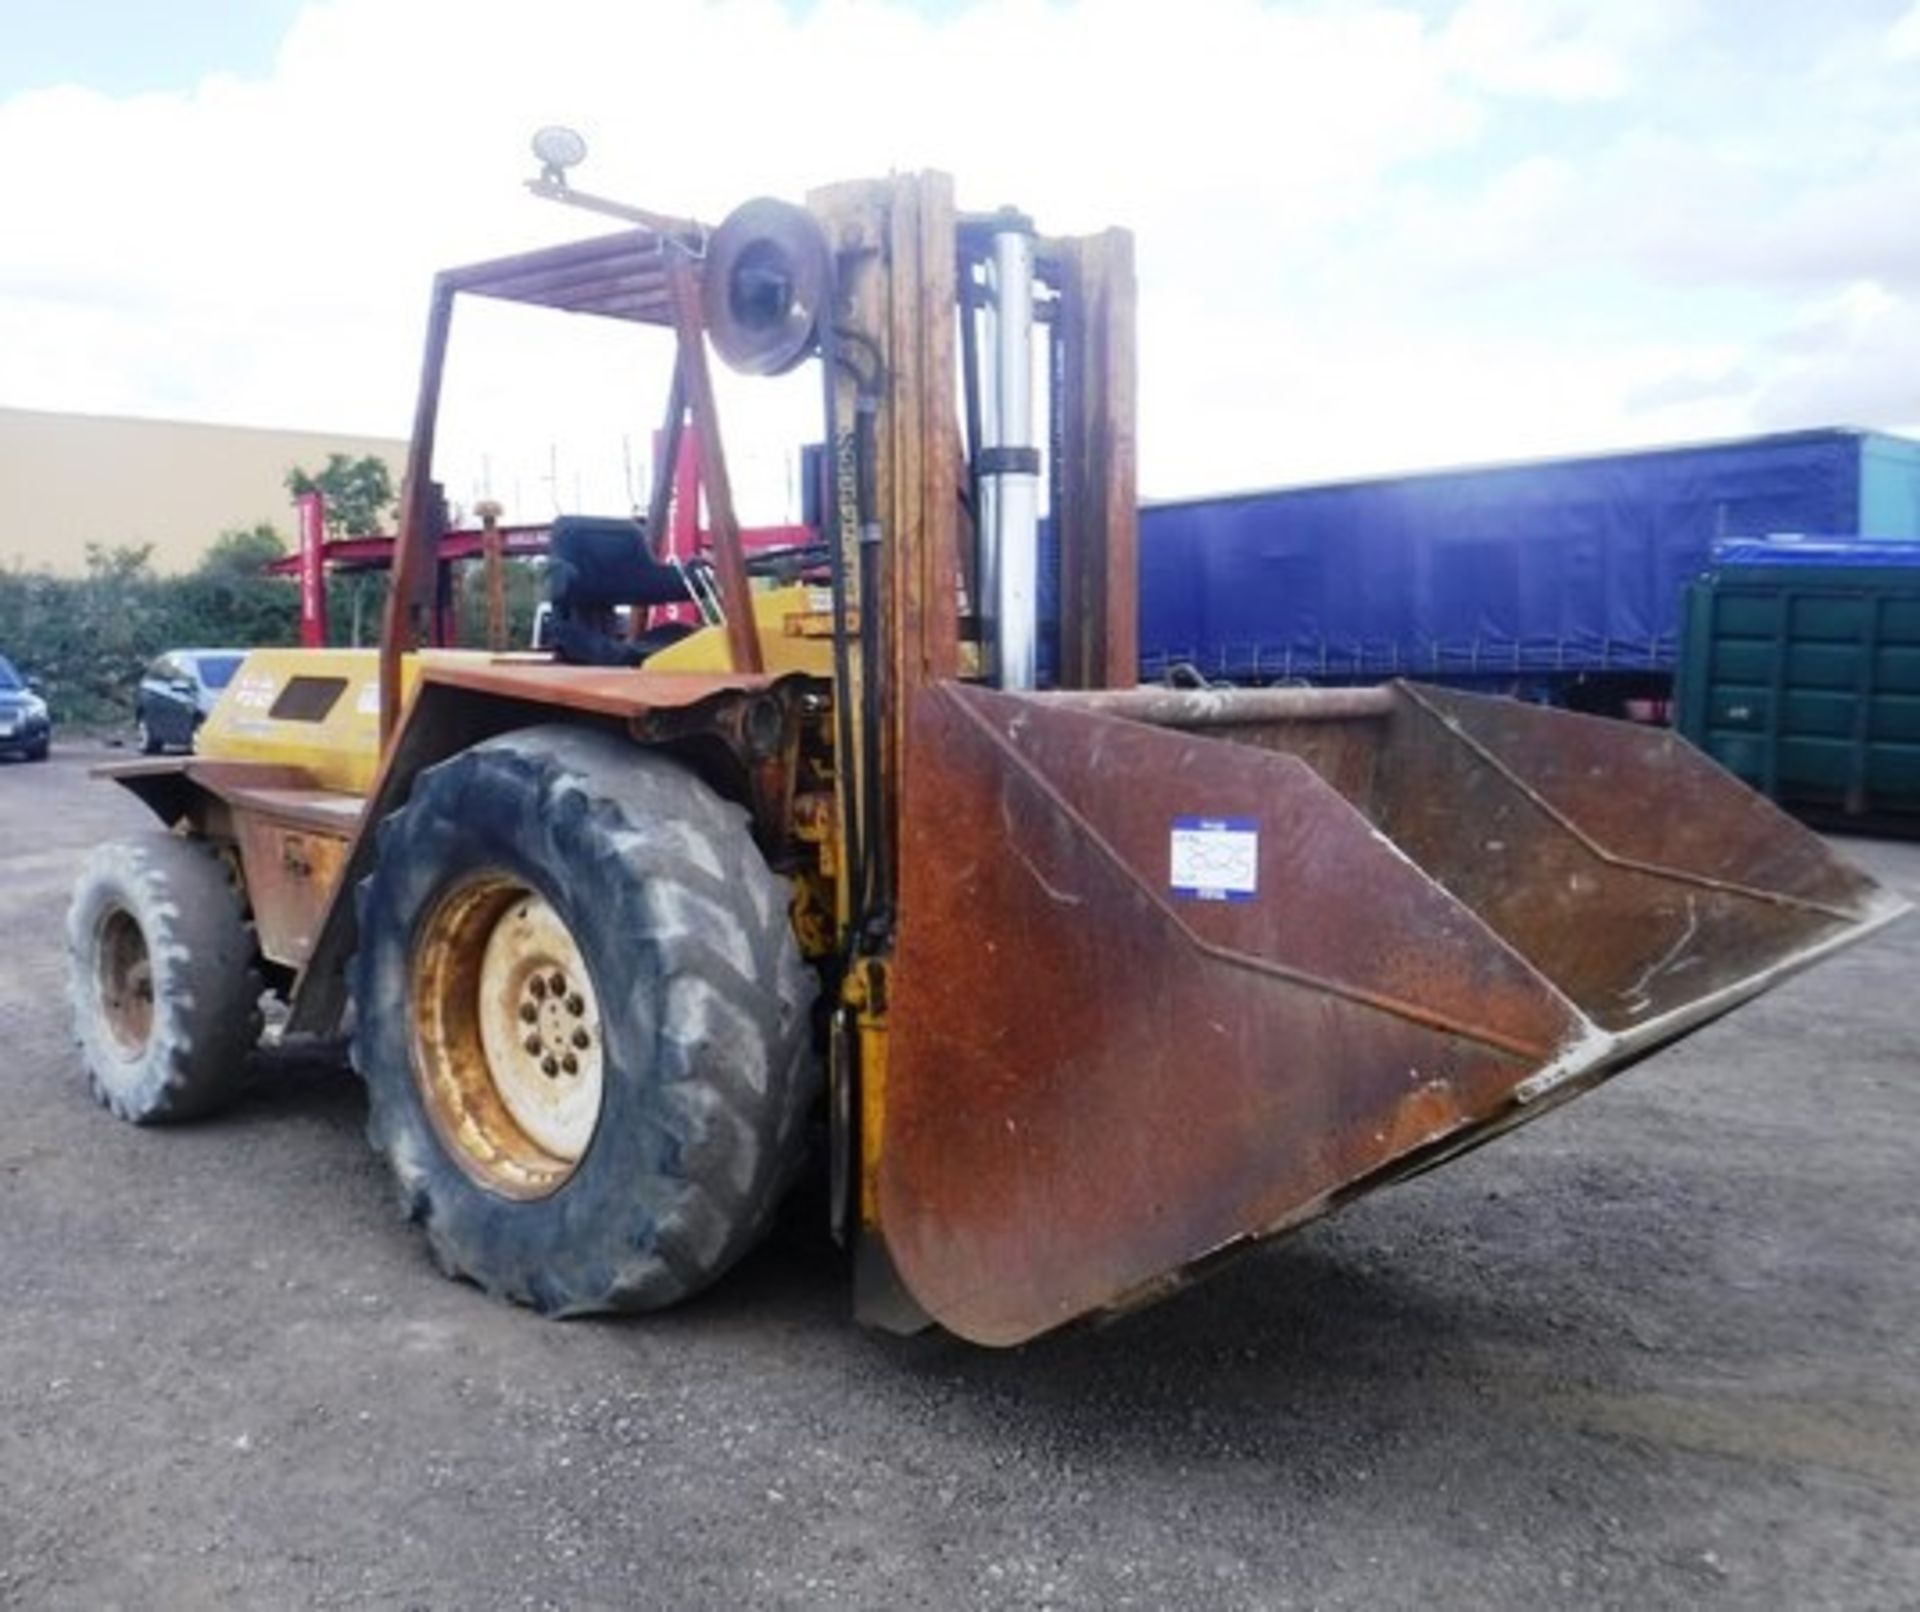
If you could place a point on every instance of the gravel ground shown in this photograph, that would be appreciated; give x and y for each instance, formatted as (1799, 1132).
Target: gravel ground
(1662, 1349)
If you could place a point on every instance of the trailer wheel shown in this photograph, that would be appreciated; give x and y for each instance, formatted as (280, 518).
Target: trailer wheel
(583, 1021)
(163, 978)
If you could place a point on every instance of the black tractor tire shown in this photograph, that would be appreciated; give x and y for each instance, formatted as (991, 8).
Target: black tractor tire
(146, 738)
(709, 1065)
(163, 978)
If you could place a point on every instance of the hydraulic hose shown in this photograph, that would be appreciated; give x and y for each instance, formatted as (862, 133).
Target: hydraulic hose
(833, 503)
(873, 625)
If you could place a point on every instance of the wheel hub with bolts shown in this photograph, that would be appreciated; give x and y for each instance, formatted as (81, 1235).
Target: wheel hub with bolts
(508, 1036)
(540, 1026)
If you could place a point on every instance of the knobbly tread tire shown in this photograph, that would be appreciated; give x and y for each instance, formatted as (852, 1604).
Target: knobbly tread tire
(207, 981)
(706, 1009)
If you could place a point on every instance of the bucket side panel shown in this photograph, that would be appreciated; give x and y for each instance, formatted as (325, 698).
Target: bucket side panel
(1630, 870)
(1094, 1080)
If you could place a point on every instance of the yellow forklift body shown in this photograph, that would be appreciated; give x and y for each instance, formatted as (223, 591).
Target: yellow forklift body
(316, 709)
(319, 709)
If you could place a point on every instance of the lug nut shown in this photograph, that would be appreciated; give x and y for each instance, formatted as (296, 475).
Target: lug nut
(581, 1039)
(532, 1043)
(576, 1004)
(556, 982)
(528, 1013)
(571, 1064)
(548, 1066)
(538, 986)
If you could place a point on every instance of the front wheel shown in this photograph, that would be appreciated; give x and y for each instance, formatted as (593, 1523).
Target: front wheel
(583, 1021)
(163, 978)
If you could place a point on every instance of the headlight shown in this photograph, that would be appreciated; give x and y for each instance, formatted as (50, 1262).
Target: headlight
(35, 709)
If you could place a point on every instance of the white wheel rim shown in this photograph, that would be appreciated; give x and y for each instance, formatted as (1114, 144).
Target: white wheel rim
(507, 1046)
(540, 1028)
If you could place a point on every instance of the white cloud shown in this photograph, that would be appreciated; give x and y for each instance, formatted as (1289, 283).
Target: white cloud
(1903, 39)
(1561, 49)
(1849, 358)
(1323, 195)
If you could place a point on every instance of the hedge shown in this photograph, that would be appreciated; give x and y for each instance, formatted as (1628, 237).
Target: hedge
(89, 639)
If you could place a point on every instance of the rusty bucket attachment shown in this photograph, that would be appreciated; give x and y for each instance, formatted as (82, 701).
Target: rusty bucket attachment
(1177, 971)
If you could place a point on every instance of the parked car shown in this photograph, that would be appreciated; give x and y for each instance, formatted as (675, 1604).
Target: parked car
(177, 692)
(26, 729)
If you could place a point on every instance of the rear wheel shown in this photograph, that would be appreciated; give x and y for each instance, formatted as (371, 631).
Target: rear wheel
(163, 978)
(583, 1022)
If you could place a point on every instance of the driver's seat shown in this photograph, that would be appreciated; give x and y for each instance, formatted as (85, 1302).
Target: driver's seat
(595, 563)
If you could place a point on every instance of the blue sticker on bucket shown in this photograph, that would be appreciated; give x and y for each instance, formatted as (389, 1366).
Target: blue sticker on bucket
(1215, 858)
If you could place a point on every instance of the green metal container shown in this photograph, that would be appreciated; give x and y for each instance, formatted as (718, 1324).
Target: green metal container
(1800, 673)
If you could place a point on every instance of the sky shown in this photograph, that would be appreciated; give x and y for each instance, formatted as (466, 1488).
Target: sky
(1371, 237)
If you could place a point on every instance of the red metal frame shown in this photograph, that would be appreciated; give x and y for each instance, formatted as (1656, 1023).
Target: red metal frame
(375, 553)
(686, 538)
(311, 569)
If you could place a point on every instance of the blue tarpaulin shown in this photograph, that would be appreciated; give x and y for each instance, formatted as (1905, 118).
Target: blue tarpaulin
(1815, 551)
(1574, 565)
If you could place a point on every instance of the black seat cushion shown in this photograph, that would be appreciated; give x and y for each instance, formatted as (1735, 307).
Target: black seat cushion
(596, 561)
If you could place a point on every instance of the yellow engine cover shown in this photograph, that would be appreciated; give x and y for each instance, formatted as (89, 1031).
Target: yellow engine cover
(312, 708)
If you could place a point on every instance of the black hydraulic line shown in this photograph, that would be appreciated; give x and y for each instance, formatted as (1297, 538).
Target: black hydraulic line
(840, 466)
(832, 510)
(970, 369)
(870, 874)
(873, 626)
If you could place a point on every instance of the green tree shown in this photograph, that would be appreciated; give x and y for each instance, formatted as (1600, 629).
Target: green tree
(89, 637)
(525, 588)
(244, 551)
(358, 492)
(119, 563)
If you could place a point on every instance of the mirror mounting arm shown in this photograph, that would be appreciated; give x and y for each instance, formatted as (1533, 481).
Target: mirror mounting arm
(684, 232)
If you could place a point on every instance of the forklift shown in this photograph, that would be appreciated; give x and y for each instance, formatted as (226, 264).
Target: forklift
(1081, 985)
